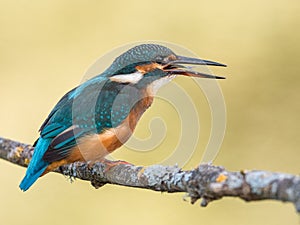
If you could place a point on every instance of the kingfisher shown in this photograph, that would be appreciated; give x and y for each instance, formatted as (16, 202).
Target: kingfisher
(99, 116)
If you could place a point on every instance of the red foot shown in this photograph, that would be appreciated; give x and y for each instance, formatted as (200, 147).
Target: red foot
(109, 164)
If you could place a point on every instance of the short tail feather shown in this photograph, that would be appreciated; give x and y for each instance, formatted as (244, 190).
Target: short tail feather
(37, 165)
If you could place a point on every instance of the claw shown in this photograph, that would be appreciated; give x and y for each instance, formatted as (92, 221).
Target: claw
(109, 164)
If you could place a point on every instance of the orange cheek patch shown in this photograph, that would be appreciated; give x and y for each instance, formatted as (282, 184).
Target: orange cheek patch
(146, 68)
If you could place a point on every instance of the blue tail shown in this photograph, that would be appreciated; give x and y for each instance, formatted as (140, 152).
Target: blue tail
(37, 165)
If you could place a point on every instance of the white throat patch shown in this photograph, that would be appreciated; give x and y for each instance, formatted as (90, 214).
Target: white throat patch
(132, 78)
(157, 84)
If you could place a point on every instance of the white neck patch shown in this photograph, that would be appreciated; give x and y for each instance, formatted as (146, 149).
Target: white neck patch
(132, 78)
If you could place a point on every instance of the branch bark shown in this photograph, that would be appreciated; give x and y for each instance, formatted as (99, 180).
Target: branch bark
(207, 181)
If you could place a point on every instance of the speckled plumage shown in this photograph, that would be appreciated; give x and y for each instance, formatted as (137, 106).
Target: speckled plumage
(138, 55)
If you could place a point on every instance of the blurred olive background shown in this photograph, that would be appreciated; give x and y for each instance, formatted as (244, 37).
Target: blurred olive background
(46, 47)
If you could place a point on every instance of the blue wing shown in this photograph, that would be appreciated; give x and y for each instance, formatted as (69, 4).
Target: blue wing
(92, 107)
(70, 119)
(95, 105)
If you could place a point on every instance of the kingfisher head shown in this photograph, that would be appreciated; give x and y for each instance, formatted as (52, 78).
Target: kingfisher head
(155, 65)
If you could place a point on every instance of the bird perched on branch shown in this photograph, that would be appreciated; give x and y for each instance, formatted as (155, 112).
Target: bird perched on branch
(97, 117)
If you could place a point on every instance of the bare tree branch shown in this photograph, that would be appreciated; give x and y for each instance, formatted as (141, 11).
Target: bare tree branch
(206, 181)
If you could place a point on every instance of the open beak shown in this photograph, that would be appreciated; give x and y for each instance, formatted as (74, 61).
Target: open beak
(175, 67)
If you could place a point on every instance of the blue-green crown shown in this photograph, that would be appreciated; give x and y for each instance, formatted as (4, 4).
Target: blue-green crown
(139, 54)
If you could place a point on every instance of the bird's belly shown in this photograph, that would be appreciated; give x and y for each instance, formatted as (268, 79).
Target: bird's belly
(95, 147)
